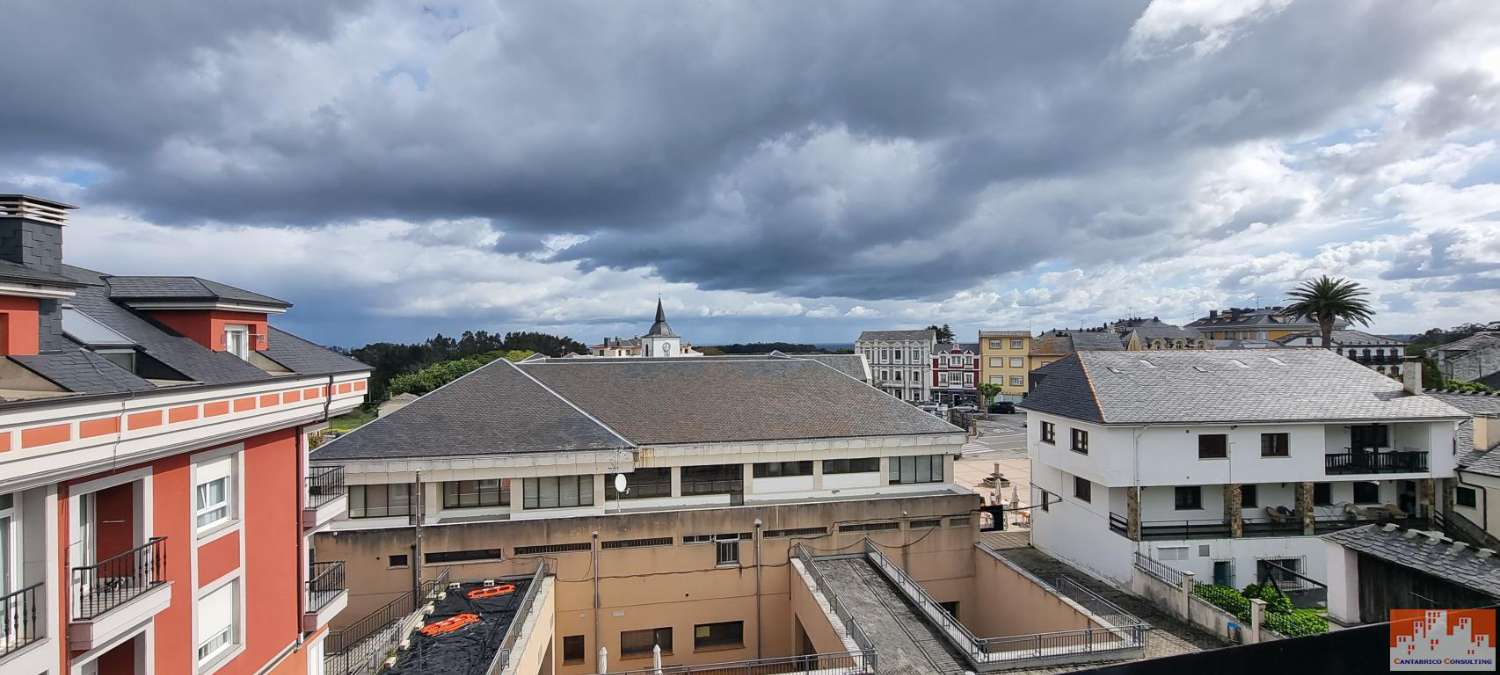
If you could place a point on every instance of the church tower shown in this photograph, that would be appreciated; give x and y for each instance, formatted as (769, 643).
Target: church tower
(660, 341)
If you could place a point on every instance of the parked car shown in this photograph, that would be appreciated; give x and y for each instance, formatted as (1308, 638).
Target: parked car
(1002, 408)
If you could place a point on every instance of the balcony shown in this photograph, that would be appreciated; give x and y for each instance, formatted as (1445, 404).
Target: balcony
(327, 595)
(21, 621)
(327, 496)
(1367, 462)
(1180, 530)
(118, 593)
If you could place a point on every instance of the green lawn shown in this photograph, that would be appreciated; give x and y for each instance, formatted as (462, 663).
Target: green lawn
(349, 421)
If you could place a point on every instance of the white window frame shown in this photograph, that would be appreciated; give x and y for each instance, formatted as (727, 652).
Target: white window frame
(209, 467)
(234, 641)
(242, 334)
(10, 567)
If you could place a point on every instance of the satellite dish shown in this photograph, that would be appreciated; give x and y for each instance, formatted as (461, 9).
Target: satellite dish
(620, 484)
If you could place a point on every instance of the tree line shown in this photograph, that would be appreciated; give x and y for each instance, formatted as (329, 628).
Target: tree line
(390, 360)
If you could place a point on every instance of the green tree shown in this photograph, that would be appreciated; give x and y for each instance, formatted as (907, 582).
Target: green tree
(1327, 300)
(944, 332)
(439, 374)
(987, 391)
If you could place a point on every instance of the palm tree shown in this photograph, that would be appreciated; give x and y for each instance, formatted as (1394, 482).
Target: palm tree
(987, 392)
(1326, 300)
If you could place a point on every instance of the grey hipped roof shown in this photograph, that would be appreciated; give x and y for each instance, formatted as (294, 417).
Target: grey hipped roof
(494, 410)
(1345, 338)
(547, 405)
(127, 288)
(305, 357)
(709, 399)
(927, 335)
(1257, 385)
(849, 364)
(1475, 341)
(1428, 553)
(1165, 331)
(1090, 340)
(1487, 460)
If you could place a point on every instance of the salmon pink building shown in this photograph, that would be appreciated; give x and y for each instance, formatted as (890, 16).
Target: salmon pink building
(156, 507)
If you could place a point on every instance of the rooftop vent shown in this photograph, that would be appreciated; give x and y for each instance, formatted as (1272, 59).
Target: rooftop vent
(1275, 360)
(32, 208)
(1238, 363)
(1457, 548)
(1147, 364)
(1413, 533)
(1484, 553)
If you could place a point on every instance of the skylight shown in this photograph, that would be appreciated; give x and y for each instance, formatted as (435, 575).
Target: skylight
(87, 331)
(1238, 363)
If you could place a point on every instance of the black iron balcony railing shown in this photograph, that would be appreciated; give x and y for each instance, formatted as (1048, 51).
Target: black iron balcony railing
(324, 484)
(1395, 461)
(20, 618)
(325, 582)
(118, 579)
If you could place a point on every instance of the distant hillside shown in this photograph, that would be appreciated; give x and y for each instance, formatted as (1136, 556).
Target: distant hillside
(767, 347)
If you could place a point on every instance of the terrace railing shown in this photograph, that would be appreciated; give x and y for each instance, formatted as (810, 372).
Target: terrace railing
(324, 484)
(1158, 569)
(846, 663)
(20, 618)
(513, 632)
(118, 579)
(1394, 461)
(357, 648)
(865, 644)
(324, 583)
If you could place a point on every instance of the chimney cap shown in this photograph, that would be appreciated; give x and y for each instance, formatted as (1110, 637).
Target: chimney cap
(34, 208)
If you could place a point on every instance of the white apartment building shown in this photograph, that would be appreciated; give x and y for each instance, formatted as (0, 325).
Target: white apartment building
(900, 361)
(1213, 461)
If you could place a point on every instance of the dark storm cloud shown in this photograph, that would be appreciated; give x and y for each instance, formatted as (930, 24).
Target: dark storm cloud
(844, 149)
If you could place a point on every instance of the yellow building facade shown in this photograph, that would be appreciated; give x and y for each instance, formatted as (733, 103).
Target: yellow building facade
(1005, 359)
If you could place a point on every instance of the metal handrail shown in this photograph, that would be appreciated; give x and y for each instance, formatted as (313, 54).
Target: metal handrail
(353, 648)
(324, 484)
(325, 582)
(1390, 461)
(122, 577)
(856, 633)
(833, 663)
(20, 624)
(929, 607)
(1158, 569)
(513, 632)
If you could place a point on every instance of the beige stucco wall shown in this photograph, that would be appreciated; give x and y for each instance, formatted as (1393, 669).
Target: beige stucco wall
(676, 585)
(1007, 602)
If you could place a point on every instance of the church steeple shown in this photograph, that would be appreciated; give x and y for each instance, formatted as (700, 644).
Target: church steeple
(660, 327)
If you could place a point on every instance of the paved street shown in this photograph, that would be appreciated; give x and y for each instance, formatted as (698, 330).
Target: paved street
(1002, 441)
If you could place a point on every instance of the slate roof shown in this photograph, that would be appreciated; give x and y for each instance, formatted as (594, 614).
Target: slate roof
(1476, 341)
(1430, 554)
(1346, 338)
(946, 347)
(83, 371)
(1257, 316)
(1470, 458)
(549, 405)
(1095, 340)
(305, 357)
(493, 410)
(711, 399)
(659, 327)
(926, 335)
(1051, 344)
(128, 288)
(849, 364)
(160, 351)
(1254, 385)
(1165, 331)
(11, 271)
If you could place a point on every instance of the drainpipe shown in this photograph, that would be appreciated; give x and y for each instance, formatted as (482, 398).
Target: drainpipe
(758, 624)
(594, 553)
(419, 506)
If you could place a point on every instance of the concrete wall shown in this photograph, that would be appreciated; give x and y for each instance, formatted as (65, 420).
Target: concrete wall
(814, 618)
(533, 652)
(1007, 601)
(1195, 610)
(676, 585)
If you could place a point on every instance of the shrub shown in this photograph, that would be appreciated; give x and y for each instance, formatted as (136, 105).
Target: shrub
(1276, 601)
(1297, 622)
(1224, 598)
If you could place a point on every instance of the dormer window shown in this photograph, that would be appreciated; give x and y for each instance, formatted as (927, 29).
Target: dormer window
(237, 340)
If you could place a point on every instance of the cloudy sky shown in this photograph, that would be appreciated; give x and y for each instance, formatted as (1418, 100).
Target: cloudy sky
(795, 171)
